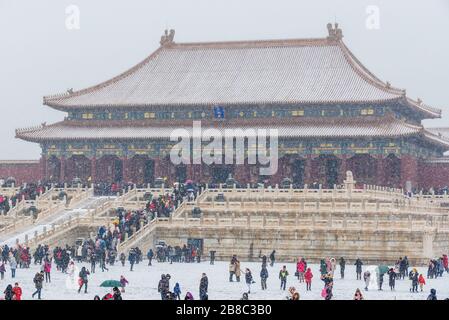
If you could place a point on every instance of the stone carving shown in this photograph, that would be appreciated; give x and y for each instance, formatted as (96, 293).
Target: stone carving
(335, 33)
(168, 37)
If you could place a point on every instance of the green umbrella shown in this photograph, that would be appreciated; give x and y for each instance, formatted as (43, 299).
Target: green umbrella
(111, 283)
(383, 269)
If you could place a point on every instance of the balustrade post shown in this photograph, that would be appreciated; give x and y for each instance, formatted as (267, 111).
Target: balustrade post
(345, 220)
(44, 230)
(313, 220)
(26, 240)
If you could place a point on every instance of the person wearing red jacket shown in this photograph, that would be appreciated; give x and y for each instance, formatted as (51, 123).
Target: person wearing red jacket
(446, 262)
(421, 281)
(308, 277)
(17, 291)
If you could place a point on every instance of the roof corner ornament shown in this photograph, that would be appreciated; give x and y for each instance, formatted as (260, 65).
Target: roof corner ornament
(44, 124)
(419, 101)
(404, 92)
(168, 37)
(335, 33)
(388, 85)
(70, 91)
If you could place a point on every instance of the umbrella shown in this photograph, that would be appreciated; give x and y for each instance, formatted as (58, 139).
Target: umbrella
(189, 181)
(111, 283)
(383, 269)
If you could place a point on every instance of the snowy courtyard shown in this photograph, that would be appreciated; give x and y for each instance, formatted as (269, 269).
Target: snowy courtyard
(143, 282)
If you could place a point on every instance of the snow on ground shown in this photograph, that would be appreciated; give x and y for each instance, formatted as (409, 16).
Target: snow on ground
(144, 279)
(80, 209)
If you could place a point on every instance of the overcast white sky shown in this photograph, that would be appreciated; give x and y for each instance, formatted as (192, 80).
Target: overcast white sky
(40, 56)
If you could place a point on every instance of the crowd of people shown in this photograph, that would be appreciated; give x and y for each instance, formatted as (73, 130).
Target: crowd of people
(27, 191)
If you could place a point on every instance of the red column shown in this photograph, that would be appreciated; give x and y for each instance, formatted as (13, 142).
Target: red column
(93, 169)
(125, 169)
(62, 169)
(409, 170)
(308, 170)
(380, 168)
(342, 169)
(44, 167)
(157, 168)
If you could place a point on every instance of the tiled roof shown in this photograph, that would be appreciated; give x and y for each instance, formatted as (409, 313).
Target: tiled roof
(295, 71)
(69, 130)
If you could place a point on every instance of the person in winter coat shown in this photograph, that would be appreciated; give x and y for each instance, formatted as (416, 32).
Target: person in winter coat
(122, 259)
(38, 280)
(8, 292)
(231, 270)
(150, 255)
(413, 276)
(283, 273)
(47, 270)
(328, 289)
(391, 278)
(300, 269)
(238, 272)
(358, 268)
(123, 283)
(117, 295)
(358, 295)
(323, 267)
(264, 276)
(163, 286)
(342, 263)
(248, 279)
(244, 296)
(367, 278)
(83, 279)
(2, 270)
(421, 281)
(132, 258)
(17, 292)
(308, 277)
(272, 258)
(13, 266)
(432, 295)
(189, 296)
(204, 284)
(177, 291)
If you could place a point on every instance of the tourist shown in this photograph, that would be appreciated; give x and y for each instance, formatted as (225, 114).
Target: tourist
(391, 278)
(342, 263)
(283, 273)
(413, 276)
(272, 258)
(248, 279)
(323, 267)
(238, 271)
(308, 277)
(212, 256)
(232, 269)
(17, 292)
(358, 295)
(244, 296)
(163, 286)
(123, 259)
(432, 295)
(132, 258)
(367, 278)
(150, 255)
(2, 270)
(47, 270)
(204, 283)
(380, 280)
(264, 276)
(117, 295)
(300, 269)
(9, 294)
(38, 280)
(83, 279)
(13, 266)
(421, 281)
(189, 296)
(358, 268)
(177, 291)
(123, 283)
